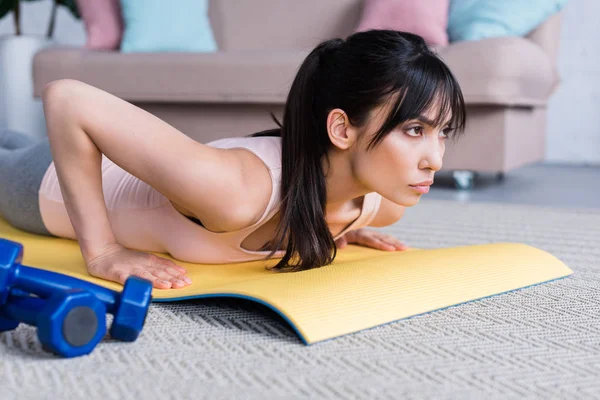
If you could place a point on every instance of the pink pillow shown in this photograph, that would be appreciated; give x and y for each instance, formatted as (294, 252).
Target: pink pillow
(426, 18)
(103, 23)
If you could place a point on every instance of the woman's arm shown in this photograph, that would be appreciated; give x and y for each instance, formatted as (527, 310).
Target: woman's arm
(387, 214)
(78, 166)
(85, 122)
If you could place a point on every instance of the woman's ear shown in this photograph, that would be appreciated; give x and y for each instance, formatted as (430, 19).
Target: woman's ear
(341, 132)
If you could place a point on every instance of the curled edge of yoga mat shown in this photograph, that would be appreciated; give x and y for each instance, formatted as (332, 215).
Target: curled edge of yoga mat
(362, 289)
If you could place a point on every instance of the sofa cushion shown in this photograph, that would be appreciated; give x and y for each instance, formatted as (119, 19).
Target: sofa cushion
(506, 71)
(482, 19)
(103, 23)
(408, 16)
(160, 26)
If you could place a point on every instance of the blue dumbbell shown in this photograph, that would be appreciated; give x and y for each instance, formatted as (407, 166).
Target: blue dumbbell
(129, 308)
(70, 323)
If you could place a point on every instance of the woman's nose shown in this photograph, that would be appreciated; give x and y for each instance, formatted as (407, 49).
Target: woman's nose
(433, 157)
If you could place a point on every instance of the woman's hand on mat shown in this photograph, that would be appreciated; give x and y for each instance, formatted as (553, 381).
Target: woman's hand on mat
(368, 238)
(117, 263)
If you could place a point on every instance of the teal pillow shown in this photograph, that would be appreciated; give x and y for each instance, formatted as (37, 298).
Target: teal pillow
(166, 26)
(480, 19)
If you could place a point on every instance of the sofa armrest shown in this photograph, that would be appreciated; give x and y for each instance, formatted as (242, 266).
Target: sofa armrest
(547, 35)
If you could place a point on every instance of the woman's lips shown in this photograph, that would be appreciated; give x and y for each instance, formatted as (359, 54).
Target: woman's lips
(421, 189)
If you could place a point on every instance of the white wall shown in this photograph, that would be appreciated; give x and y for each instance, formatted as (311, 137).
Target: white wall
(573, 112)
(34, 21)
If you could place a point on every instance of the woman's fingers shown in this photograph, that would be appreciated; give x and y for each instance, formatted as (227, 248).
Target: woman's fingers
(165, 262)
(145, 274)
(177, 279)
(341, 242)
(175, 272)
(161, 275)
(177, 267)
(168, 271)
(120, 263)
(391, 240)
(377, 243)
(380, 241)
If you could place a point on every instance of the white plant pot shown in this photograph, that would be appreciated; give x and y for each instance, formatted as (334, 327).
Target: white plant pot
(19, 110)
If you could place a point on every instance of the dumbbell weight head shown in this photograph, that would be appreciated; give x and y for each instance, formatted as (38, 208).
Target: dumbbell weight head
(71, 323)
(11, 255)
(130, 316)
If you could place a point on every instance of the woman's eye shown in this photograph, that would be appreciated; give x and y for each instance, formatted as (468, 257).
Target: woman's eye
(447, 132)
(415, 129)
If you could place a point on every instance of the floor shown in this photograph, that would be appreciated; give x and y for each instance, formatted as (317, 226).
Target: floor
(542, 342)
(542, 184)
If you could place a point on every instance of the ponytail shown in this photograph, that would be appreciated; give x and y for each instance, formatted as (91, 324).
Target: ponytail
(302, 227)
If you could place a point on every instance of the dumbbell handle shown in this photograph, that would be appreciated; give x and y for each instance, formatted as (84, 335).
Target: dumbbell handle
(45, 283)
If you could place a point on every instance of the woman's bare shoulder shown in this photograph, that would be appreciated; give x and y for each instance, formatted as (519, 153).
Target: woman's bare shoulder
(258, 187)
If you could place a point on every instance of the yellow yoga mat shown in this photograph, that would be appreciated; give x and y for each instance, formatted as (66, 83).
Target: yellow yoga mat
(362, 289)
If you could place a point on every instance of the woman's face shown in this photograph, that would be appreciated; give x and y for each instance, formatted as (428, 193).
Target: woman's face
(408, 155)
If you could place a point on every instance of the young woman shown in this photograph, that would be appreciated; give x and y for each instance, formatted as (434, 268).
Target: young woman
(363, 133)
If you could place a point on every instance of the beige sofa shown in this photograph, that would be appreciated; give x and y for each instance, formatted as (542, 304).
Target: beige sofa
(506, 81)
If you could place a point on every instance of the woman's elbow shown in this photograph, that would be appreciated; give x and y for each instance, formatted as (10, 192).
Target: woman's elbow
(58, 89)
(59, 101)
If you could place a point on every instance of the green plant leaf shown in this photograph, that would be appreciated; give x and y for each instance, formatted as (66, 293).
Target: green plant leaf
(6, 6)
(71, 6)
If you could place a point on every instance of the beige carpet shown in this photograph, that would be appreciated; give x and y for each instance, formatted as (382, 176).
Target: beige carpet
(537, 342)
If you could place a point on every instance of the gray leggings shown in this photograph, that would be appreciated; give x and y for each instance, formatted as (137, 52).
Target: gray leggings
(23, 163)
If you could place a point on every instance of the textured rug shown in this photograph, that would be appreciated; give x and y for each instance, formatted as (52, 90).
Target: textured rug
(538, 342)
